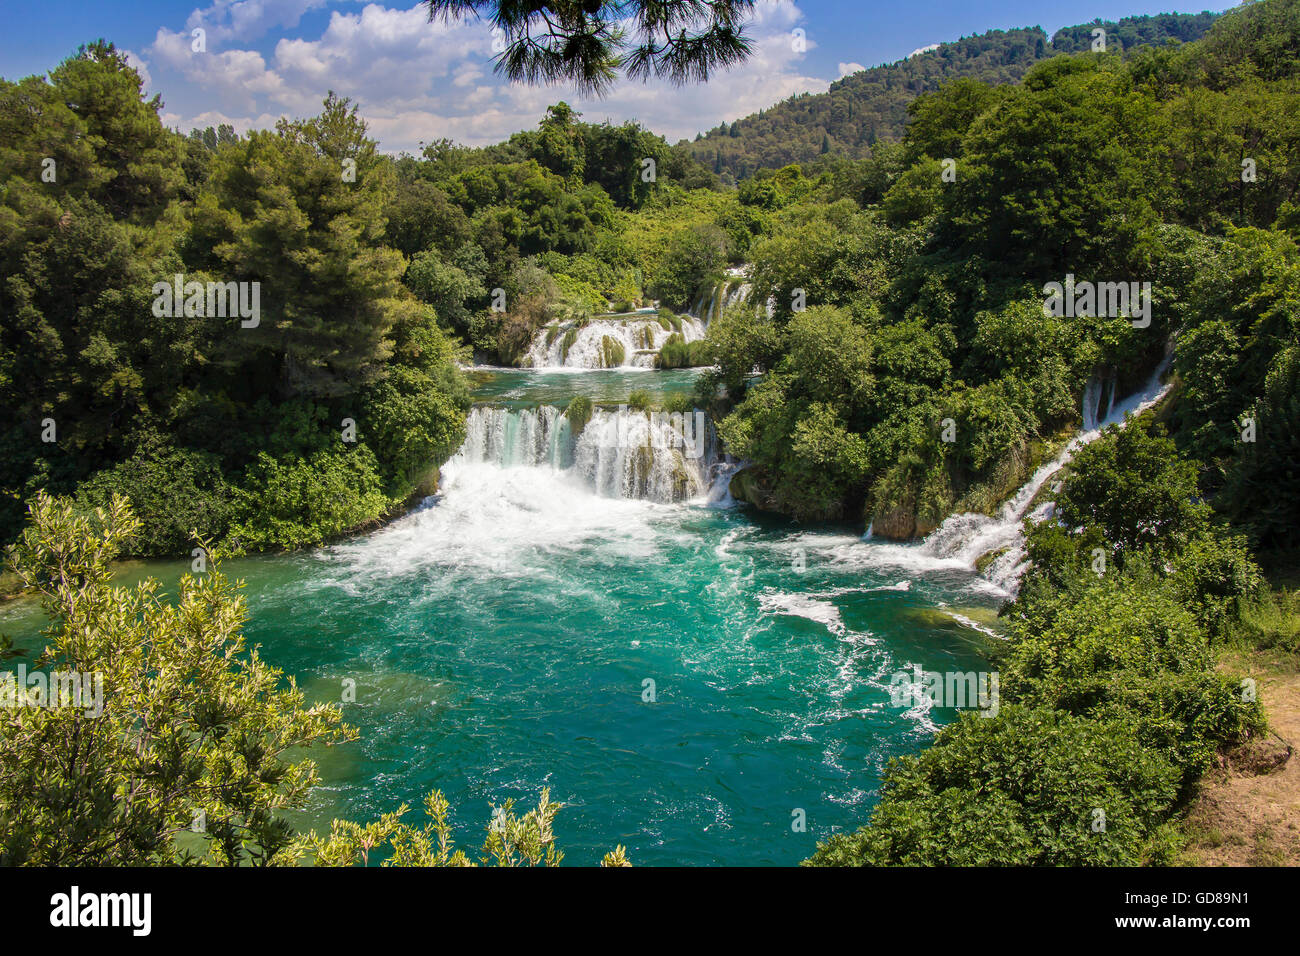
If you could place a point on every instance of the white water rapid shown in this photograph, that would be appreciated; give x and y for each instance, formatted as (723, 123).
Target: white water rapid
(637, 335)
(631, 339)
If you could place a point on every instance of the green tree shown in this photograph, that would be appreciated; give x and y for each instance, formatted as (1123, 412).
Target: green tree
(511, 840)
(1133, 487)
(193, 740)
(300, 211)
(588, 43)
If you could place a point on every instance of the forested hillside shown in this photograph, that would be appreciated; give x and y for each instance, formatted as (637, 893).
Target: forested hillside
(870, 106)
(915, 366)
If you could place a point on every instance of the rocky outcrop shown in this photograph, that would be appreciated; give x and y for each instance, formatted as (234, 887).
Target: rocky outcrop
(749, 485)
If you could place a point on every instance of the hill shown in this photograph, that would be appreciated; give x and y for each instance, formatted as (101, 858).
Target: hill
(871, 105)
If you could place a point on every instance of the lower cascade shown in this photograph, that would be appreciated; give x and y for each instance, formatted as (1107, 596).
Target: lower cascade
(619, 453)
(968, 537)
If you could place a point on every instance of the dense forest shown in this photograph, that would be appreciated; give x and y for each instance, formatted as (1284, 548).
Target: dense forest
(871, 105)
(375, 275)
(894, 363)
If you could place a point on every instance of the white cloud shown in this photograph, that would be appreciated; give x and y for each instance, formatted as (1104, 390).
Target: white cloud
(847, 68)
(245, 20)
(416, 81)
(923, 49)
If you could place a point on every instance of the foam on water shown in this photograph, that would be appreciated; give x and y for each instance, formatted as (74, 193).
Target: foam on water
(640, 337)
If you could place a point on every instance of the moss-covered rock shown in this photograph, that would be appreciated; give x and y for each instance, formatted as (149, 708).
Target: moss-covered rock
(611, 352)
(578, 413)
(748, 485)
(566, 343)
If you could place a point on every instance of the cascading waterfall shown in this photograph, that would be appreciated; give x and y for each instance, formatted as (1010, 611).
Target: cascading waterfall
(620, 453)
(637, 335)
(722, 295)
(969, 537)
(632, 339)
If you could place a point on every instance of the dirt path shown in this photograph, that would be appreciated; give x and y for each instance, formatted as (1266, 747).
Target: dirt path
(1248, 812)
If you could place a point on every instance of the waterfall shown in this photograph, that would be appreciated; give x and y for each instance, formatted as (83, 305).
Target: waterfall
(719, 296)
(968, 537)
(621, 453)
(637, 335)
(632, 339)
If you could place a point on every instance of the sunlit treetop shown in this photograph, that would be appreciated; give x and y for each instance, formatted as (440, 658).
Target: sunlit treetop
(587, 42)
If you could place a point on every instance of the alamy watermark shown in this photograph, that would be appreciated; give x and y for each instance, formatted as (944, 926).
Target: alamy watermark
(667, 430)
(951, 689)
(1131, 300)
(58, 689)
(214, 300)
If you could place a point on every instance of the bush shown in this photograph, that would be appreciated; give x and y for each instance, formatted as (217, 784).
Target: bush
(1272, 620)
(412, 426)
(1022, 788)
(1123, 647)
(679, 405)
(1135, 487)
(639, 400)
(676, 352)
(298, 502)
(174, 492)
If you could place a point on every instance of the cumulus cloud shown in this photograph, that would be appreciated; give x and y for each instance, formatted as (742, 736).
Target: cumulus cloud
(416, 81)
(847, 68)
(228, 20)
(923, 49)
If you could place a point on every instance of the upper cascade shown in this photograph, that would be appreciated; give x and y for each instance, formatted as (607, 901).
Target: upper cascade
(717, 296)
(619, 453)
(629, 340)
(632, 339)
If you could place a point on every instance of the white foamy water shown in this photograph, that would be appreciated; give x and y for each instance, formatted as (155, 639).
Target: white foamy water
(640, 335)
(965, 538)
(803, 605)
(621, 453)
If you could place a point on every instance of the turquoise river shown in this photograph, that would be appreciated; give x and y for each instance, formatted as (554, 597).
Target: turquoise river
(685, 675)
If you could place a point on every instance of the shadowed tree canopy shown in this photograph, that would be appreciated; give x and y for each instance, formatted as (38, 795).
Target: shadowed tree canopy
(587, 42)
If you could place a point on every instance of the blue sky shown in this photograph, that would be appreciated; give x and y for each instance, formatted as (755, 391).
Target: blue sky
(416, 82)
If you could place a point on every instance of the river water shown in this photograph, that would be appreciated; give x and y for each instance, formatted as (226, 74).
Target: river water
(686, 677)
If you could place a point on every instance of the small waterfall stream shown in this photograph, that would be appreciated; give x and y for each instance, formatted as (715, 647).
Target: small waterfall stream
(968, 537)
(628, 341)
(631, 339)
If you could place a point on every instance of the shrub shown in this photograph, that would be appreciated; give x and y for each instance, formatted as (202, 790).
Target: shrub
(679, 405)
(676, 352)
(1273, 620)
(1122, 647)
(1021, 788)
(578, 413)
(412, 427)
(297, 502)
(193, 720)
(174, 492)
